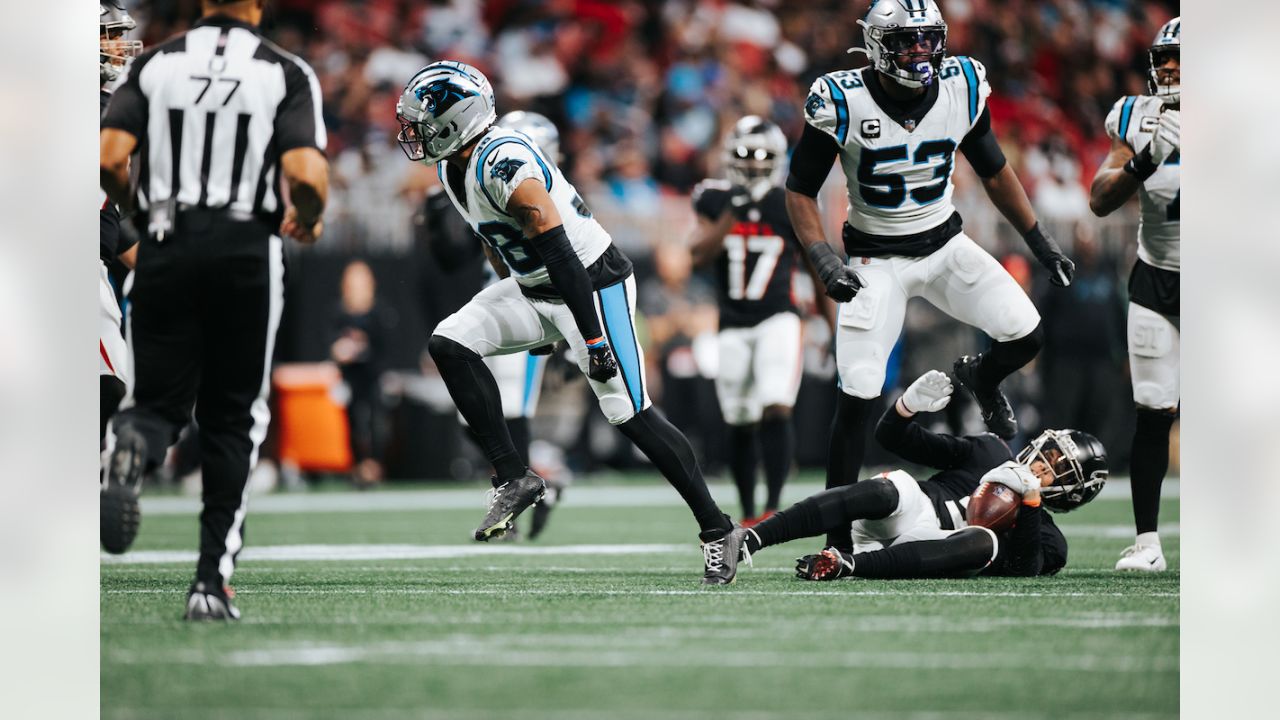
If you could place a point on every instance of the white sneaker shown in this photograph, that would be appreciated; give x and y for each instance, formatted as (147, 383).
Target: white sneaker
(1144, 558)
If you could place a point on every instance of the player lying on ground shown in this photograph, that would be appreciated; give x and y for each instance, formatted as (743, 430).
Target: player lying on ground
(568, 282)
(904, 528)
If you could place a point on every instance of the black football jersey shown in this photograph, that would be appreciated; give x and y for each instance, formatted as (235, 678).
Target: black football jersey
(761, 254)
(109, 215)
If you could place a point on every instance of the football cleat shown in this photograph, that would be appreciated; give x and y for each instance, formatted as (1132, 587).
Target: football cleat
(542, 511)
(717, 567)
(996, 411)
(830, 564)
(118, 513)
(205, 601)
(1142, 558)
(507, 501)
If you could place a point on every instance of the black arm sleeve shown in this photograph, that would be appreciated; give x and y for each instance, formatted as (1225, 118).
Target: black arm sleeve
(298, 122)
(908, 440)
(811, 162)
(569, 278)
(981, 149)
(127, 109)
(1024, 551)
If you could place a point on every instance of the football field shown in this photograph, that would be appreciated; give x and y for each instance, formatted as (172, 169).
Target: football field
(377, 605)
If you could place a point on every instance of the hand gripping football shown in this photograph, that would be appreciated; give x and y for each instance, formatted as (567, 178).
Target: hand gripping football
(993, 506)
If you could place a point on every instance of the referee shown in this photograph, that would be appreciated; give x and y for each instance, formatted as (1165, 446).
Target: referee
(220, 117)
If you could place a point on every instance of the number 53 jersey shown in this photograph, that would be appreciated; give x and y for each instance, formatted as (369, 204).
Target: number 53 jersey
(501, 161)
(898, 171)
(1134, 119)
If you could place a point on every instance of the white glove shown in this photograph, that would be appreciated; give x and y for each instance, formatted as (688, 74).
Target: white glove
(929, 393)
(1167, 138)
(1015, 476)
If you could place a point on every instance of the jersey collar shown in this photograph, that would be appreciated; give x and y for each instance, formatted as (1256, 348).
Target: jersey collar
(223, 21)
(909, 114)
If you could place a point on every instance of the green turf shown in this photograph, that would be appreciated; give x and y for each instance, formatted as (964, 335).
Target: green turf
(629, 635)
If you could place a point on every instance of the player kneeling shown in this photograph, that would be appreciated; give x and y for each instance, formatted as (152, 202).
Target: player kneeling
(904, 528)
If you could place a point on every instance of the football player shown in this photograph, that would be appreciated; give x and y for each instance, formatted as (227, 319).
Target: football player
(568, 282)
(743, 227)
(903, 528)
(118, 504)
(1145, 159)
(896, 127)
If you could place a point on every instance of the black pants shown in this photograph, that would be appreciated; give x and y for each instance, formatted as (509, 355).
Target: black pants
(205, 307)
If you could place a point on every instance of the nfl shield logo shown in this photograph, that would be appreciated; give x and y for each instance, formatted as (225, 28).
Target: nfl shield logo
(909, 124)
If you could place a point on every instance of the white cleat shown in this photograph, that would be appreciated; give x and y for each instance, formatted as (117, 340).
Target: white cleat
(1142, 558)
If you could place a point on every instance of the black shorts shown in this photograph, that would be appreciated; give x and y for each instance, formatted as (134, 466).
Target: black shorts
(1154, 288)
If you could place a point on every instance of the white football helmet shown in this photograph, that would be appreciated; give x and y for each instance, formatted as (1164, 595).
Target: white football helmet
(442, 108)
(1168, 43)
(892, 29)
(753, 153)
(540, 130)
(114, 50)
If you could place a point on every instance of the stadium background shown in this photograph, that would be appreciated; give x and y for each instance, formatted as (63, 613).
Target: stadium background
(642, 92)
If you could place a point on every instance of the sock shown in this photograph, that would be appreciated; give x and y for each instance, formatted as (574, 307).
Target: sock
(1003, 358)
(830, 509)
(778, 449)
(669, 450)
(965, 552)
(521, 436)
(848, 446)
(752, 542)
(476, 394)
(1148, 464)
(110, 392)
(1148, 539)
(742, 465)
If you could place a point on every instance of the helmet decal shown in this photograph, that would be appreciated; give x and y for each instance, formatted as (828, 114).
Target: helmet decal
(438, 96)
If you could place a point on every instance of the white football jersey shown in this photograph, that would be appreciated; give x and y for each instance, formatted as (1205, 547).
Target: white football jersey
(899, 180)
(1134, 120)
(501, 161)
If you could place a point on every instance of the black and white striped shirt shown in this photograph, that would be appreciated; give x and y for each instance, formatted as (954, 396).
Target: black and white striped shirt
(213, 110)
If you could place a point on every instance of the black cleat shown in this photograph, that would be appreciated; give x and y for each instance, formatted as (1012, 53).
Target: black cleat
(507, 501)
(206, 601)
(830, 564)
(996, 411)
(542, 511)
(721, 553)
(118, 514)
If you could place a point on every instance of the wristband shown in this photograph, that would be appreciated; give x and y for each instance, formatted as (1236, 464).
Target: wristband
(1035, 503)
(595, 343)
(1141, 166)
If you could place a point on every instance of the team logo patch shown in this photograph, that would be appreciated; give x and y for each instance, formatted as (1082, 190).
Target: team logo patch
(871, 128)
(506, 169)
(440, 95)
(814, 104)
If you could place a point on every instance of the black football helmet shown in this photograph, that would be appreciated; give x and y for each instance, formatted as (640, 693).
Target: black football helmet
(1079, 465)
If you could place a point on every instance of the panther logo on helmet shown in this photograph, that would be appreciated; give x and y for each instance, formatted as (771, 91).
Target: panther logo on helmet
(437, 97)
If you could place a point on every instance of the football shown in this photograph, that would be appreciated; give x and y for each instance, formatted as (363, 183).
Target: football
(993, 506)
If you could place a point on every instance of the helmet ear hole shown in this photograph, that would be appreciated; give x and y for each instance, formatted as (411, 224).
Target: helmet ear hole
(446, 131)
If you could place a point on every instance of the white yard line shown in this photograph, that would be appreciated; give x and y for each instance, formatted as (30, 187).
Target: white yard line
(586, 496)
(835, 591)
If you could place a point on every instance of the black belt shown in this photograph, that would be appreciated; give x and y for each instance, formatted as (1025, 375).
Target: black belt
(863, 244)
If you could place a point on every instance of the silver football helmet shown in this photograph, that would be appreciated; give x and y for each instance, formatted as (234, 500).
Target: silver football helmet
(114, 50)
(442, 108)
(1168, 43)
(753, 153)
(540, 130)
(1078, 462)
(894, 29)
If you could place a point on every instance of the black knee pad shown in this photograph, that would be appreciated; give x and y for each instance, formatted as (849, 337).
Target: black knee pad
(877, 495)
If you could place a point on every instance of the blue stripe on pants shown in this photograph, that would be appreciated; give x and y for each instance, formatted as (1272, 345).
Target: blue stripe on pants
(616, 311)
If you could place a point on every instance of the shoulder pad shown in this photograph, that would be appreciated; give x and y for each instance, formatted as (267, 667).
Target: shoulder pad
(503, 163)
(1120, 117)
(973, 74)
(827, 107)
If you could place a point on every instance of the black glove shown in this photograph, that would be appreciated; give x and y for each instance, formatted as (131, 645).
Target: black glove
(601, 365)
(548, 349)
(1046, 250)
(841, 281)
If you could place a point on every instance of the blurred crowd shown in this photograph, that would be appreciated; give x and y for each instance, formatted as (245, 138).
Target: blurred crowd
(644, 90)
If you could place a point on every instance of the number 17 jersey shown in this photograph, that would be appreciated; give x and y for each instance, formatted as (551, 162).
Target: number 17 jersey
(755, 269)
